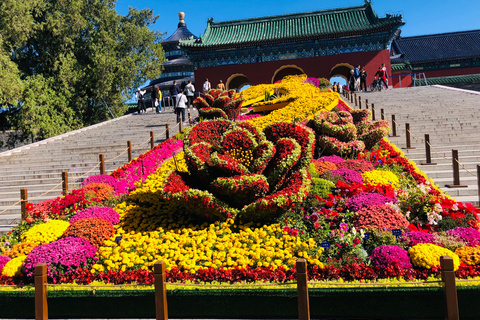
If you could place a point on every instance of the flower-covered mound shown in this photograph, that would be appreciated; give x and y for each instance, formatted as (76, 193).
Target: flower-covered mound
(235, 169)
(219, 104)
(243, 202)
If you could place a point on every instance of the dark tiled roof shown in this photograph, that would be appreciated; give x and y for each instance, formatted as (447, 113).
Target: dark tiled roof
(454, 79)
(182, 33)
(299, 26)
(445, 46)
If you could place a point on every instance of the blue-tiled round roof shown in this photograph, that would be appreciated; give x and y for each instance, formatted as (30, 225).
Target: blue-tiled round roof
(182, 33)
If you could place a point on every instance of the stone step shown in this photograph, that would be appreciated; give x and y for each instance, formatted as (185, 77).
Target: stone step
(471, 190)
(450, 118)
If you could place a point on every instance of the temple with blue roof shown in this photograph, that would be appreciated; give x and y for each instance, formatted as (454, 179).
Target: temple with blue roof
(322, 43)
(178, 67)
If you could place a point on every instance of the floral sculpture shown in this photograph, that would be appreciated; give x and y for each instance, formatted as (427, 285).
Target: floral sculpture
(219, 104)
(234, 169)
(347, 133)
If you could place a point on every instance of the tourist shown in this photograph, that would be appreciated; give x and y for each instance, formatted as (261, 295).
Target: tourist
(356, 72)
(190, 93)
(385, 78)
(206, 86)
(363, 79)
(221, 86)
(340, 88)
(334, 88)
(381, 75)
(180, 106)
(157, 99)
(140, 95)
(174, 91)
(351, 81)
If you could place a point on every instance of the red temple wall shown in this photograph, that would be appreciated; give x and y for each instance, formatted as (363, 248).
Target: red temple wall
(263, 72)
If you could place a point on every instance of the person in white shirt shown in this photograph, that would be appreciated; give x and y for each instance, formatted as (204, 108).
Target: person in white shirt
(180, 108)
(190, 93)
(140, 95)
(206, 86)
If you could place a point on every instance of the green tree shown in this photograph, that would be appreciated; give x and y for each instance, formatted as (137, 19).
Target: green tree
(73, 58)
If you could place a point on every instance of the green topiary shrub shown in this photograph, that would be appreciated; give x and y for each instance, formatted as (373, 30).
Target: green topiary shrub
(321, 187)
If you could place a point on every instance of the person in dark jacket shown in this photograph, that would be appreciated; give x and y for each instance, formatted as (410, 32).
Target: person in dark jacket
(363, 80)
(174, 91)
(351, 81)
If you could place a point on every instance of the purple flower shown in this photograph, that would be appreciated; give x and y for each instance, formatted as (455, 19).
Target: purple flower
(333, 159)
(416, 237)
(3, 262)
(105, 213)
(347, 175)
(63, 257)
(147, 163)
(366, 200)
(470, 236)
(343, 227)
(313, 81)
(120, 187)
(385, 255)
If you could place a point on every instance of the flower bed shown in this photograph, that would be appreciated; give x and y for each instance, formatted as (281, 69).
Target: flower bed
(246, 199)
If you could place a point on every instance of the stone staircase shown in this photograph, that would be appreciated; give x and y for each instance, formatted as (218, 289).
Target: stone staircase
(451, 118)
(38, 167)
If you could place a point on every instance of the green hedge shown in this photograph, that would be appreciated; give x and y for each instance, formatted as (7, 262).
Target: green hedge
(366, 303)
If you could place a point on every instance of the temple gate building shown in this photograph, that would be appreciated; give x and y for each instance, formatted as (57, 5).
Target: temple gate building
(323, 43)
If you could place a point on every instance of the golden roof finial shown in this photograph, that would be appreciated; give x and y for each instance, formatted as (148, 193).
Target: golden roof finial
(181, 16)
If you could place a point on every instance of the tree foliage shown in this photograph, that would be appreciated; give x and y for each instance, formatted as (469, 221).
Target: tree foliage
(62, 62)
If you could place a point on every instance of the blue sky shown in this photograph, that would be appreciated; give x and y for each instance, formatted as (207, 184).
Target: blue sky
(420, 16)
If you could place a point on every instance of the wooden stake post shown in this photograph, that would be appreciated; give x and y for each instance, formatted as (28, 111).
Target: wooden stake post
(41, 307)
(456, 172)
(24, 201)
(302, 290)
(449, 288)
(427, 151)
(160, 290)
(129, 146)
(407, 136)
(65, 182)
(101, 157)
